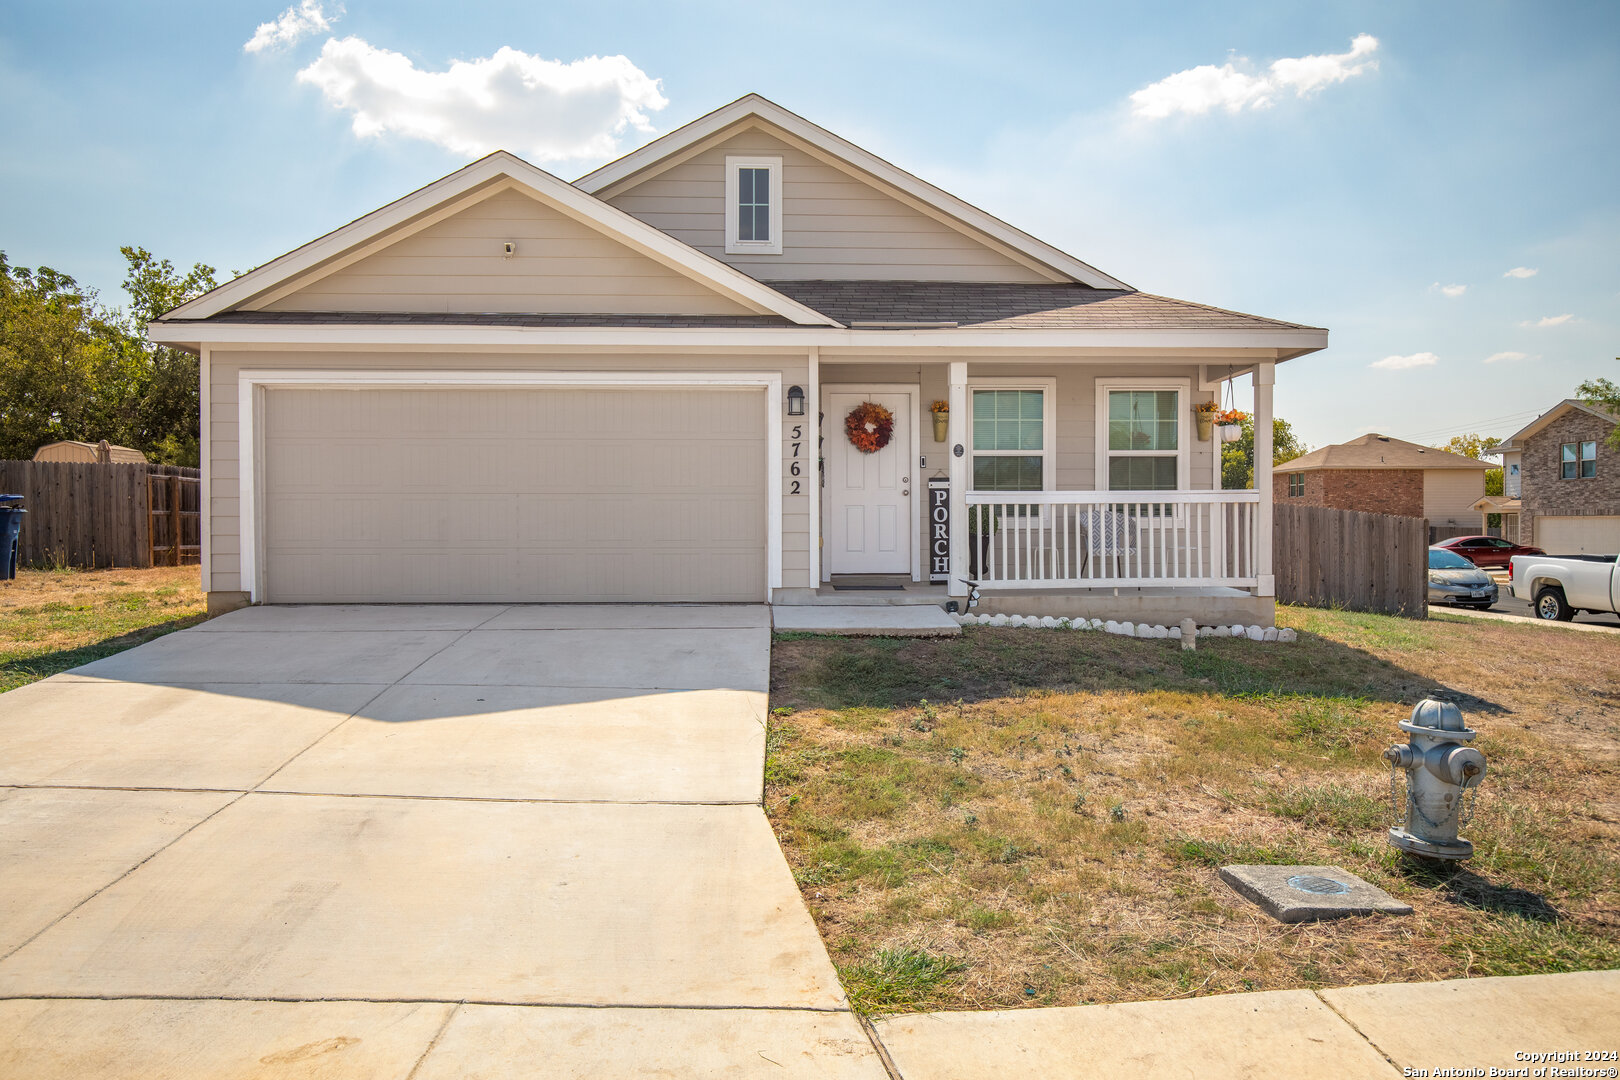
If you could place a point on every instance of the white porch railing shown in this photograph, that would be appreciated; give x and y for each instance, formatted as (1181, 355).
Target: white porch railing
(1082, 539)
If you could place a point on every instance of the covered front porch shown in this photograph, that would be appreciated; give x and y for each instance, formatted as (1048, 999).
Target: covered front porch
(1081, 486)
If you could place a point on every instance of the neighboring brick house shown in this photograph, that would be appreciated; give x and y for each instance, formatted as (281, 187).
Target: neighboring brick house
(1569, 481)
(1377, 474)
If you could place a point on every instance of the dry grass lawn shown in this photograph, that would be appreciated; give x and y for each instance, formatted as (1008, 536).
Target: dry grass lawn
(52, 620)
(1034, 817)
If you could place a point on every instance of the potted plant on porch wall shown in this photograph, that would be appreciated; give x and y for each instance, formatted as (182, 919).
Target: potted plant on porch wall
(942, 419)
(1204, 412)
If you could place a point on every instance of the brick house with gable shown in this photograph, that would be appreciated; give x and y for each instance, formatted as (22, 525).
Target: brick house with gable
(1378, 474)
(1569, 481)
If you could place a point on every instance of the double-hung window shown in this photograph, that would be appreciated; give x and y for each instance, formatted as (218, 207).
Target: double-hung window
(1579, 460)
(753, 206)
(1011, 424)
(1142, 442)
(1296, 484)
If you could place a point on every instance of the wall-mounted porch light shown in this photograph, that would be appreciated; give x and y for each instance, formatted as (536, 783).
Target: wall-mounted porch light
(795, 401)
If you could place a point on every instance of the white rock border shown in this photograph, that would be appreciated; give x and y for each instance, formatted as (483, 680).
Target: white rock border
(1128, 629)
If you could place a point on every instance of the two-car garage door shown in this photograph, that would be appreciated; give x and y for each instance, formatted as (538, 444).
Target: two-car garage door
(651, 494)
(1570, 535)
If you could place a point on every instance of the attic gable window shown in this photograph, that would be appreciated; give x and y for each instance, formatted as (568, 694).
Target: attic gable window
(753, 206)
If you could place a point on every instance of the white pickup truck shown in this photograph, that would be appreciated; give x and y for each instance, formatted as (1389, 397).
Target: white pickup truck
(1562, 586)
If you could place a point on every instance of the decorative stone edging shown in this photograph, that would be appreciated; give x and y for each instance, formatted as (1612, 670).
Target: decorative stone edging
(1127, 629)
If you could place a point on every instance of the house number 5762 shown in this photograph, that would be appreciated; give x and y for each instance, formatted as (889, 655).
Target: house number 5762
(795, 468)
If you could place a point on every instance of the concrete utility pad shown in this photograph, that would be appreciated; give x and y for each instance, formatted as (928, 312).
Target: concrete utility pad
(495, 1042)
(311, 897)
(631, 616)
(193, 657)
(736, 659)
(1281, 1033)
(59, 845)
(525, 742)
(898, 620)
(70, 730)
(1482, 1023)
(214, 1040)
(1294, 894)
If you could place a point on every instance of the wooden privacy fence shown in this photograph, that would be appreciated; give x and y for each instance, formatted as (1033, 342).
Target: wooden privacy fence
(1324, 557)
(92, 515)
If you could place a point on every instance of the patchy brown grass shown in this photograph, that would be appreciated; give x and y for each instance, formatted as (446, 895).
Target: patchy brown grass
(52, 620)
(1033, 817)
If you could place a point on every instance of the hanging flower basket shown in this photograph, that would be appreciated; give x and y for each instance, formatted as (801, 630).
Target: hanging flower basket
(869, 426)
(942, 419)
(1230, 424)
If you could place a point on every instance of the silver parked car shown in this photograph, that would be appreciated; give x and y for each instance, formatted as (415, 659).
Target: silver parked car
(1455, 580)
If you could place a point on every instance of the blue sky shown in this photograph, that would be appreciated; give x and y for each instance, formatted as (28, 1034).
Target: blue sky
(1355, 192)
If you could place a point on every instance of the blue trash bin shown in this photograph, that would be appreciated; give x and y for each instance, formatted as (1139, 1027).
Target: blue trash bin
(11, 515)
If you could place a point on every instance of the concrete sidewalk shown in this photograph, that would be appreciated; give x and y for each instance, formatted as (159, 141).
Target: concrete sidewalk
(1374, 1032)
(411, 841)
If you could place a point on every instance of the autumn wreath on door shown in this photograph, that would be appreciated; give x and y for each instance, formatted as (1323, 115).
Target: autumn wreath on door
(869, 426)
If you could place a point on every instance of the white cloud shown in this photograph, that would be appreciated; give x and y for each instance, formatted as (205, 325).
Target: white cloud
(542, 108)
(1196, 91)
(1450, 292)
(296, 23)
(1546, 321)
(1402, 363)
(1521, 272)
(1507, 357)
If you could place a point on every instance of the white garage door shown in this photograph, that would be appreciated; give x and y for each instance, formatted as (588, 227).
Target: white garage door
(561, 495)
(1578, 535)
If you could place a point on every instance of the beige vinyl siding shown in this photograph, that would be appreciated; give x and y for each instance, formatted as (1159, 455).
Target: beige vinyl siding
(835, 226)
(560, 266)
(224, 467)
(1075, 449)
(1449, 496)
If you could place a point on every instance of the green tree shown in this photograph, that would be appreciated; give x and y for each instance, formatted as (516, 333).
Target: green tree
(1473, 445)
(65, 370)
(167, 407)
(1237, 458)
(1605, 395)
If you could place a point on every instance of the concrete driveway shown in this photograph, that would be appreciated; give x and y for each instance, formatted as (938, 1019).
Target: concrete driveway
(409, 842)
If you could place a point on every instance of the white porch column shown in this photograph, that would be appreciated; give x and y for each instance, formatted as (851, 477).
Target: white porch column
(812, 432)
(1265, 375)
(957, 444)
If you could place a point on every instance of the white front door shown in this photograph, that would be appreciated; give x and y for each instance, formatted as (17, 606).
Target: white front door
(869, 495)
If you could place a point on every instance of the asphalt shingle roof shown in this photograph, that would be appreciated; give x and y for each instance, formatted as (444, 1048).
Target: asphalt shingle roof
(1008, 306)
(1376, 451)
(492, 318)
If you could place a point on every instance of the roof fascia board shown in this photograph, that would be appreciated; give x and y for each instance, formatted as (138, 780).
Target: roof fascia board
(682, 138)
(562, 196)
(1187, 344)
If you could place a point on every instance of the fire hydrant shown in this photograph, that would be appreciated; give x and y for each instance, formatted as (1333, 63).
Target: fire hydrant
(1440, 771)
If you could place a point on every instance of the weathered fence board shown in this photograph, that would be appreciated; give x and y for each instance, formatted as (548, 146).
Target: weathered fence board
(87, 515)
(1341, 558)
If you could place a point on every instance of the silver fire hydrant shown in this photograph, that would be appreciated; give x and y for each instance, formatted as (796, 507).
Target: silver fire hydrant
(1440, 771)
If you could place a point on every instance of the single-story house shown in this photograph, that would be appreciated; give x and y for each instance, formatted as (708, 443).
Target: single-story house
(89, 453)
(1568, 481)
(1377, 474)
(711, 370)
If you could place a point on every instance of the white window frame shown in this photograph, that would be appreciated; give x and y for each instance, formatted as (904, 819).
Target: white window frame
(1048, 452)
(1183, 428)
(735, 245)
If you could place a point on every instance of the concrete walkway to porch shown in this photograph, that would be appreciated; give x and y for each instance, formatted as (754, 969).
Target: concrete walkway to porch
(423, 842)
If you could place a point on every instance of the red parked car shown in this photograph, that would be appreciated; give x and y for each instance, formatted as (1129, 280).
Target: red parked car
(1487, 551)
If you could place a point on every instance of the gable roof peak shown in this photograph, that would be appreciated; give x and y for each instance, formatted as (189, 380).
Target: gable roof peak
(688, 138)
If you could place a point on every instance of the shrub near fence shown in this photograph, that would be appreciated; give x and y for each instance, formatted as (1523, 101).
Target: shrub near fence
(84, 515)
(1324, 557)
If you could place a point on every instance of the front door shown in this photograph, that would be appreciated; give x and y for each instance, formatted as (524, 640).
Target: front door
(868, 494)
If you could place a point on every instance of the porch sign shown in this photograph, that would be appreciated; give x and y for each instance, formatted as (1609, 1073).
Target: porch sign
(939, 529)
